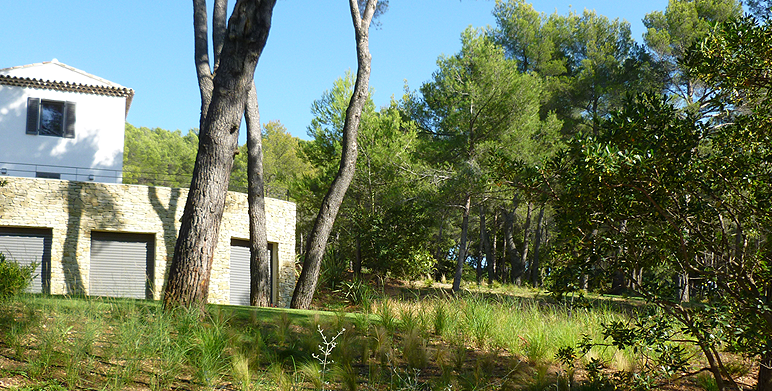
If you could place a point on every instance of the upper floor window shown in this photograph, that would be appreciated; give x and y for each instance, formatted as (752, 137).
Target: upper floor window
(50, 118)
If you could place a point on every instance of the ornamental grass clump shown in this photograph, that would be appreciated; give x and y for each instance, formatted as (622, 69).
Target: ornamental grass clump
(14, 278)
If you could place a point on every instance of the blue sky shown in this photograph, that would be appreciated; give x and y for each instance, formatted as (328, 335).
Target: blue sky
(147, 45)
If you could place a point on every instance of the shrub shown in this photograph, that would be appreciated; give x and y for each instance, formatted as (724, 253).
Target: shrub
(14, 278)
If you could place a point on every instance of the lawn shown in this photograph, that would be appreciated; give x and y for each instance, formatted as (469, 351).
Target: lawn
(394, 337)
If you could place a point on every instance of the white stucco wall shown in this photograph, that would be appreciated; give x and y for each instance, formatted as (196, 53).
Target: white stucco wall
(97, 148)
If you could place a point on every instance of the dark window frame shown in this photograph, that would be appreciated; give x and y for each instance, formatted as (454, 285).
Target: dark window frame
(48, 175)
(34, 109)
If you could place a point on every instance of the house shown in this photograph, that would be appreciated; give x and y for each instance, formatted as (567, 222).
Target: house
(63, 123)
(63, 206)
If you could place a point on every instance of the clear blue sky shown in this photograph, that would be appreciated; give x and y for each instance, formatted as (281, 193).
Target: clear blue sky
(147, 45)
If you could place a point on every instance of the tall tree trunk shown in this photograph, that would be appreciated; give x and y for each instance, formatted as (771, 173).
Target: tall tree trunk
(190, 269)
(526, 236)
(515, 265)
(490, 257)
(535, 272)
(619, 280)
(683, 287)
(462, 245)
(509, 245)
(764, 379)
(317, 240)
(495, 264)
(259, 259)
(481, 247)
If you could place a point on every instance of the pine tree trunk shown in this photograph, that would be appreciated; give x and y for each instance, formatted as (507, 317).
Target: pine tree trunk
(495, 265)
(190, 269)
(490, 256)
(317, 240)
(515, 268)
(535, 272)
(526, 236)
(481, 249)
(683, 287)
(764, 379)
(462, 245)
(259, 259)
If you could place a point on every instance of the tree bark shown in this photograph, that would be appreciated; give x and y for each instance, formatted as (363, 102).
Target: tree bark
(480, 252)
(248, 27)
(526, 235)
(490, 255)
(259, 259)
(462, 245)
(535, 273)
(495, 266)
(764, 380)
(516, 267)
(219, 28)
(683, 287)
(317, 240)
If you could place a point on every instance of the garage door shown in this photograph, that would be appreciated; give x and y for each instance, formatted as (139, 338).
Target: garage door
(25, 246)
(239, 281)
(122, 265)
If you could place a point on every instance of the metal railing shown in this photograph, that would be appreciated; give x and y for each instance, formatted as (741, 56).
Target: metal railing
(104, 175)
(50, 171)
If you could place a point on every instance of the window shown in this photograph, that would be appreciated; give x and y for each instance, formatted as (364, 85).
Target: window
(48, 175)
(50, 118)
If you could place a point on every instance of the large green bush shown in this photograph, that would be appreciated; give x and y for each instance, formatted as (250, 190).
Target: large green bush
(14, 278)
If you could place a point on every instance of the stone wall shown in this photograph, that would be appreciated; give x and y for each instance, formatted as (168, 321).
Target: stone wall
(72, 210)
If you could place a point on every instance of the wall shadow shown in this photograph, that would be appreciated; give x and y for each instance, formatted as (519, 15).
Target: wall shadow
(82, 196)
(73, 281)
(167, 216)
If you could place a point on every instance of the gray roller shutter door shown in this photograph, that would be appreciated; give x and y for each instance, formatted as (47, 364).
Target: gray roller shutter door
(122, 265)
(239, 278)
(24, 246)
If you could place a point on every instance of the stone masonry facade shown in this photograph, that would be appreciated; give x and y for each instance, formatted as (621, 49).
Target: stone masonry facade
(72, 210)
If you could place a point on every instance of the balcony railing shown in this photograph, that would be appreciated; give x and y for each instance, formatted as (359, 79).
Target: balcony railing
(88, 174)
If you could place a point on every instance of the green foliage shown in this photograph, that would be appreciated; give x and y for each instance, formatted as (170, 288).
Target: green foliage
(146, 347)
(333, 269)
(358, 292)
(586, 61)
(660, 193)
(383, 222)
(671, 33)
(159, 157)
(14, 278)
(761, 9)
(477, 108)
(208, 342)
(651, 337)
(283, 162)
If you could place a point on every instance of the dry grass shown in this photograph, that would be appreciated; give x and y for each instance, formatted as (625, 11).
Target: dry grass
(416, 338)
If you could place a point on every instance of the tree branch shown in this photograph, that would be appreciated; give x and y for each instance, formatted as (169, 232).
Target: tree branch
(201, 53)
(219, 27)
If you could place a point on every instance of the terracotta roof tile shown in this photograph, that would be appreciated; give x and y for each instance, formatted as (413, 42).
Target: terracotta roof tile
(27, 82)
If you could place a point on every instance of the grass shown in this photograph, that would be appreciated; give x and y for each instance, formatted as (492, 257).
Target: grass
(421, 339)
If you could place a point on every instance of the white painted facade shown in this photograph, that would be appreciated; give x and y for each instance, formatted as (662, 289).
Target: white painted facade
(95, 153)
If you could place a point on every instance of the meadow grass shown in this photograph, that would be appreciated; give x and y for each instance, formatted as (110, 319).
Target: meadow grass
(490, 339)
